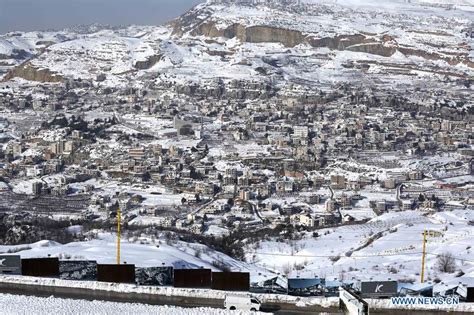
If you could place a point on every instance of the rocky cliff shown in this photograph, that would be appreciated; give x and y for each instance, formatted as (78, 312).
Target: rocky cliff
(325, 26)
(28, 72)
(376, 45)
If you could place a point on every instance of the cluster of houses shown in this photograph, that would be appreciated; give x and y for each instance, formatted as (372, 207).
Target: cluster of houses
(307, 161)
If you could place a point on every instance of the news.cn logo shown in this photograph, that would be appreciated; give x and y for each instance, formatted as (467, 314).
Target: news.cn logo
(420, 300)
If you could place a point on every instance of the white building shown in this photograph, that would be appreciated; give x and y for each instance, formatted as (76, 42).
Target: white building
(300, 132)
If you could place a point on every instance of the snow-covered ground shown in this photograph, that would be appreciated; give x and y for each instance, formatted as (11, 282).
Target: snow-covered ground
(17, 304)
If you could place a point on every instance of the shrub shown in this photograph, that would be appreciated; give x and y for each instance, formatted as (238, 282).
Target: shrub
(446, 263)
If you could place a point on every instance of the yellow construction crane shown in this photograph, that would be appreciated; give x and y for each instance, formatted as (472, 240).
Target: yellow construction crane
(118, 235)
(427, 233)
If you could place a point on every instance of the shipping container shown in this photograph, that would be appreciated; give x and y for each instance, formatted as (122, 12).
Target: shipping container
(40, 267)
(159, 276)
(116, 273)
(192, 278)
(470, 295)
(378, 289)
(231, 281)
(10, 264)
(78, 270)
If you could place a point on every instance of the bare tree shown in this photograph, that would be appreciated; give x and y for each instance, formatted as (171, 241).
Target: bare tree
(446, 263)
(342, 275)
(197, 252)
(286, 269)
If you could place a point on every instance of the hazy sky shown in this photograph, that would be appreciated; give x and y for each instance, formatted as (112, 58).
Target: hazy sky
(20, 15)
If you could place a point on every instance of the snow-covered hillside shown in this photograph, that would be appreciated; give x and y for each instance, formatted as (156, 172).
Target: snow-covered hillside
(16, 48)
(394, 2)
(143, 252)
(105, 52)
(388, 246)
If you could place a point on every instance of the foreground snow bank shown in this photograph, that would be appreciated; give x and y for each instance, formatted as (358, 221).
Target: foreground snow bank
(18, 304)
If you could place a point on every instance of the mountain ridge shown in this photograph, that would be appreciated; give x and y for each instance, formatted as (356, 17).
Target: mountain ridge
(232, 37)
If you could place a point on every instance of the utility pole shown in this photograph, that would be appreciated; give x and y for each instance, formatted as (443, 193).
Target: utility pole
(118, 235)
(423, 257)
(427, 233)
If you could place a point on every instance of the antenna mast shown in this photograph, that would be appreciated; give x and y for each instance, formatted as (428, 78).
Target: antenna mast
(118, 235)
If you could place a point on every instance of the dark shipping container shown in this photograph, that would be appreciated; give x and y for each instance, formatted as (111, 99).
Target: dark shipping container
(40, 267)
(470, 295)
(231, 281)
(192, 278)
(116, 273)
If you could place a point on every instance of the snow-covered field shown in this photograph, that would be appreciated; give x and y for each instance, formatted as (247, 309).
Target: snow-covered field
(16, 304)
(143, 252)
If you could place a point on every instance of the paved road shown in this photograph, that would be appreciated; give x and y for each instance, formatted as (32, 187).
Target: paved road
(399, 192)
(332, 193)
(255, 211)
